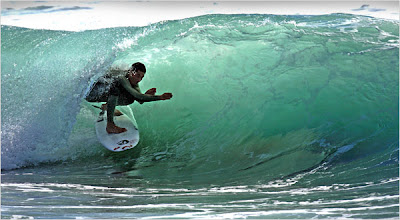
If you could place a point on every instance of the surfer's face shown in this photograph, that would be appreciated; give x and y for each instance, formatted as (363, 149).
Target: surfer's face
(137, 76)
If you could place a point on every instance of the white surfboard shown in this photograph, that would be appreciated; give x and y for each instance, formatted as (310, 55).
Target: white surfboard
(117, 142)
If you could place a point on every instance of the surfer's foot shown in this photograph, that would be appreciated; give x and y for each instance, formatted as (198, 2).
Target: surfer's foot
(116, 111)
(113, 129)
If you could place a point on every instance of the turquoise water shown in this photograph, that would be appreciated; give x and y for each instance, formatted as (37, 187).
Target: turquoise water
(272, 117)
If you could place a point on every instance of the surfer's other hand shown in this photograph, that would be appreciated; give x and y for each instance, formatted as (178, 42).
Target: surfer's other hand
(151, 91)
(166, 96)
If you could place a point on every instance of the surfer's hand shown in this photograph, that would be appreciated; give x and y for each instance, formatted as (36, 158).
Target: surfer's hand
(166, 96)
(151, 91)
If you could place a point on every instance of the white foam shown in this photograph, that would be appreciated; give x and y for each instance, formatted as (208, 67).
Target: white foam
(78, 16)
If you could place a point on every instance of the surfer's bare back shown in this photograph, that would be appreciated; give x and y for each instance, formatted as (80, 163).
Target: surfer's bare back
(121, 87)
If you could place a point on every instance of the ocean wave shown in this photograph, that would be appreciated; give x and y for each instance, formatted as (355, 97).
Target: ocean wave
(264, 95)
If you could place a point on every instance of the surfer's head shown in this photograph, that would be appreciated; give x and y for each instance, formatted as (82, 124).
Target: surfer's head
(137, 70)
(138, 66)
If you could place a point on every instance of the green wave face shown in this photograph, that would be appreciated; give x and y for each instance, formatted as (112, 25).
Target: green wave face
(255, 96)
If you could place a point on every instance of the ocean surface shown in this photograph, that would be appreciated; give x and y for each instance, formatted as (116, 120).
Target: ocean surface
(272, 117)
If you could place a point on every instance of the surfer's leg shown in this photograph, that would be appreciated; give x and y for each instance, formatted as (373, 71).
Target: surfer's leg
(125, 98)
(116, 111)
(111, 127)
(116, 92)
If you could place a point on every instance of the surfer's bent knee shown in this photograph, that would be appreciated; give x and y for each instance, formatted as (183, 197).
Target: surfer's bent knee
(122, 100)
(125, 98)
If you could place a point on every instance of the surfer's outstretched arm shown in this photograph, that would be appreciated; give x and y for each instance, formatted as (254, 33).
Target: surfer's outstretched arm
(142, 97)
(151, 91)
(137, 88)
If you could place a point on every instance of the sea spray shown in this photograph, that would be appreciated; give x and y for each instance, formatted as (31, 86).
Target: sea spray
(46, 74)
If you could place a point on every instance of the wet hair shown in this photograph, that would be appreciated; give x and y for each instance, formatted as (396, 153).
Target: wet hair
(138, 66)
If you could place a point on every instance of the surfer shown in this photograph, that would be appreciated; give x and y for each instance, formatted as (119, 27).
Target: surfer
(121, 87)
